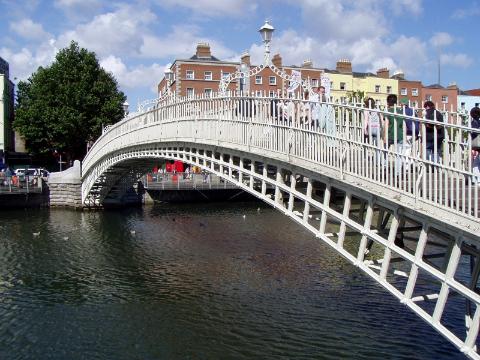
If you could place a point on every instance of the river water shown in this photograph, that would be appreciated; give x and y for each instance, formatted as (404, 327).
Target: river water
(203, 281)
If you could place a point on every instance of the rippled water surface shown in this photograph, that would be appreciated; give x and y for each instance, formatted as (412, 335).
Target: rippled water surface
(191, 282)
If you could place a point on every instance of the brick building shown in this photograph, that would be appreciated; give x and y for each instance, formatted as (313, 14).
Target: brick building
(444, 98)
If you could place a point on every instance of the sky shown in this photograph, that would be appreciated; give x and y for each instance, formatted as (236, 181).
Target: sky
(136, 40)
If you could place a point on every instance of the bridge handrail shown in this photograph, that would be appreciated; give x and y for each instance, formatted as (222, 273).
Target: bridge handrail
(296, 114)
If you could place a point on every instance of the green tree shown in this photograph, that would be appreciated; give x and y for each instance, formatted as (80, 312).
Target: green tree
(357, 96)
(63, 107)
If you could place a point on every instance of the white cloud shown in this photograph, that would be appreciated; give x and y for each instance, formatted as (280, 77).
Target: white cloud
(343, 20)
(441, 39)
(213, 7)
(115, 32)
(411, 6)
(78, 9)
(28, 29)
(181, 43)
(24, 62)
(457, 60)
(462, 13)
(135, 77)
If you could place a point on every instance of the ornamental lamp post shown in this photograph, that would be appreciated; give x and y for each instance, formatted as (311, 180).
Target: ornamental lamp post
(125, 106)
(169, 78)
(266, 32)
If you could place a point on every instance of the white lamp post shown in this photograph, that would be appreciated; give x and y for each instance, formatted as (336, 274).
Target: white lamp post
(266, 31)
(125, 106)
(169, 78)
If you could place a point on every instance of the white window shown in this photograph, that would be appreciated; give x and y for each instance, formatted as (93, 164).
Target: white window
(314, 82)
(272, 80)
(225, 74)
(190, 92)
(414, 92)
(190, 75)
(377, 88)
(444, 99)
(272, 93)
(343, 86)
(258, 93)
(343, 100)
(208, 92)
(403, 91)
(389, 89)
(462, 106)
(331, 85)
(207, 75)
(428, 97)
(258, 80)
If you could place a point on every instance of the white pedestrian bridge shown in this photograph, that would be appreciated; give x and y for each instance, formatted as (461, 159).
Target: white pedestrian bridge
(407, 218)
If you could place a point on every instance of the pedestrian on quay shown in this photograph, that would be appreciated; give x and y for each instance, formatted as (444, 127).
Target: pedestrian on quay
(8, 176)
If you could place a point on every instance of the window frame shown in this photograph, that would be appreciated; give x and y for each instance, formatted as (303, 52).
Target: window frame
(192, 91)
(258, 80)
(343, 85)
(274, 78)
(377, 89)
(404, 91)
(190, 75)
(205, 75)
(414, 91)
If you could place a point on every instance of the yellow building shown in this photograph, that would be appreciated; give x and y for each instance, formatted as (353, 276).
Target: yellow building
(344, 81)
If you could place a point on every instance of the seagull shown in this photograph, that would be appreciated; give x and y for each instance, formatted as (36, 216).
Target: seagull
(244, 216)
(258, 209)
(132, 232)
(36, 234)
(65, 238)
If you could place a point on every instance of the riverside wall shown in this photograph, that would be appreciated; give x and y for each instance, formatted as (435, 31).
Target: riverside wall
(65, 188)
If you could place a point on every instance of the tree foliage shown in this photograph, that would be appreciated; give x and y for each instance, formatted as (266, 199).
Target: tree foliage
(63, 107)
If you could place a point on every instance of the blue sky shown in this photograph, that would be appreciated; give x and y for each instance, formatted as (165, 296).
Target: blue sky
(135, 40)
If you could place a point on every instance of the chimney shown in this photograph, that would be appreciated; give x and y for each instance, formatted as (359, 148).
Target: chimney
(383, 73)
(307, 64)
(277, 60)
(245, 59)
(203, 50)
(344, 66)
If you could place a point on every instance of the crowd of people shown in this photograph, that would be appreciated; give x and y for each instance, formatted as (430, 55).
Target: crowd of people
(395, 128)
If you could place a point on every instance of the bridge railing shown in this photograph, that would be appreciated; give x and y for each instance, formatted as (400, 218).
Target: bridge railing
(428, 159)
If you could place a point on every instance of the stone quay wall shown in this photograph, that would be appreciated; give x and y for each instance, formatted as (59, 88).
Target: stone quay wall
(66, 187)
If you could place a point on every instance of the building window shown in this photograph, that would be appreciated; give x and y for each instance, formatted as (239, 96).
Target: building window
(377, 88)
(414, 92)
(272, 93)
(403, 91)
(190, 75)
(428, 97)
(258, 93)
(343, 86)
(272, 80)
(314, 82)
(225, 74)
(462, 106)
(389, 89)
(331, 85)
(207, 75)
(208, 92)
(343, 100)
(190, 92)
(444, 99)
(258, 80)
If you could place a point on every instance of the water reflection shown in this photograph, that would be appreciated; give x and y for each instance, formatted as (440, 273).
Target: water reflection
(191, 282)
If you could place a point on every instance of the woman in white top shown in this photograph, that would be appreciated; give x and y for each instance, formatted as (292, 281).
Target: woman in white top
(373, 121)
